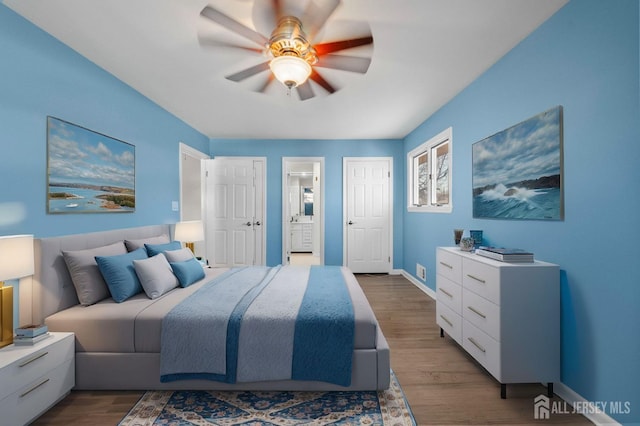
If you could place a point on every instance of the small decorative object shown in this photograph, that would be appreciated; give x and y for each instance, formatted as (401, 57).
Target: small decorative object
(476, 235)
(533, 190)
(457, 234)
(466, 244)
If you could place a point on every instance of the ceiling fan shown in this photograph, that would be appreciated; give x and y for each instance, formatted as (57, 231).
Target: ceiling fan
(292, 57)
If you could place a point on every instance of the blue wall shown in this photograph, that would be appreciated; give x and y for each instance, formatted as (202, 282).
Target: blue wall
(333, 151)
(585, 58)
(40, 76)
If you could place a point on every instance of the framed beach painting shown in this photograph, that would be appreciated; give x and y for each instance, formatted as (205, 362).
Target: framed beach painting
(517, 173)
(88, 172)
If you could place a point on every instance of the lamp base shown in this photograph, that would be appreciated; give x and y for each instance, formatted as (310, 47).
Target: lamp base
(6, 316)
(190, 246)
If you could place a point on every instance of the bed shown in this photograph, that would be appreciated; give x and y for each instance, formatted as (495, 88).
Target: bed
(118, 345)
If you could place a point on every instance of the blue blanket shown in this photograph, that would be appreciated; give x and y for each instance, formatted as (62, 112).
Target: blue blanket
(259, 323)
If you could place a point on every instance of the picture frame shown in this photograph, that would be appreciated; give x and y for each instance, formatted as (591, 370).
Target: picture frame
(517, 173)
(87, 171)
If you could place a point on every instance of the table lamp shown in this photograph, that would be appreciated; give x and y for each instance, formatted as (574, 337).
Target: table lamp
(188, 232)
(16, 261)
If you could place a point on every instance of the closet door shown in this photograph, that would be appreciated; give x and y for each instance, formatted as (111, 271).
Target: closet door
(234, 213)
(367, 213)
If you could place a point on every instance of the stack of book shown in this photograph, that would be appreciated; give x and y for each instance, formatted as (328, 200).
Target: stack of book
(30, 334)
(512, 255)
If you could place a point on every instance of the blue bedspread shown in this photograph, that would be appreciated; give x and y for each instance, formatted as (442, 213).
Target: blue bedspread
(260, 323)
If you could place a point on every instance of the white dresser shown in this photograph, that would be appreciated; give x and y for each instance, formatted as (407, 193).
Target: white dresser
(34, 378)
(506, 315)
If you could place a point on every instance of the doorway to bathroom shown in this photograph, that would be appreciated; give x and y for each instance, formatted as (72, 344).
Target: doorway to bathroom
(303, 210)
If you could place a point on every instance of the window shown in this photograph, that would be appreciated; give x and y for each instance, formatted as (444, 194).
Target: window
(429, 175)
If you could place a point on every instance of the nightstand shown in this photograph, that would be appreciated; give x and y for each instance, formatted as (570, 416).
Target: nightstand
(34, 378)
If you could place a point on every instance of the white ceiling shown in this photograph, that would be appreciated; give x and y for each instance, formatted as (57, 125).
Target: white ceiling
(424, 53)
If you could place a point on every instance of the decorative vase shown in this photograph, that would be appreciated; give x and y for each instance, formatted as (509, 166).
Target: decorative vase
(457, 234)
(476, 235)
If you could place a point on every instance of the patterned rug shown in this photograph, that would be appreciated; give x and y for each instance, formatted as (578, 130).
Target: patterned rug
(185, 408)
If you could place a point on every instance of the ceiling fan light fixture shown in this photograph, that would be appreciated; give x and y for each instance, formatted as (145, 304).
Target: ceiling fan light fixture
(290, 70)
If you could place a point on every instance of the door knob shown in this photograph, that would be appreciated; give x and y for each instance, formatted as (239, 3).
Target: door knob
(350, 223)
(257, 223)
(248, 223)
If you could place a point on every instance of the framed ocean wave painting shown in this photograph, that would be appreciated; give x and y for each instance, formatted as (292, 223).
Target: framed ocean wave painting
(88, 172)
(517, 173)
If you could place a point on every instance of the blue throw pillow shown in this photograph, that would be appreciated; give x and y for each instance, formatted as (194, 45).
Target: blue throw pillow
(188, 272)
(120, 275)
(153, 249)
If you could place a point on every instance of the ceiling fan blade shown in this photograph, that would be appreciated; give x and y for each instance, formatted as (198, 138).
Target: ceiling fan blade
(315, 76)
(315, 16)
(233, 25)
(305, 91)
(210, 43)
(246, 73)
(276, 6)
(336, 46)
(345, 63)
(266, 84)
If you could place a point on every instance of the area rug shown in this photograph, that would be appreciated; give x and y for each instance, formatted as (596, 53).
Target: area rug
(185, 408)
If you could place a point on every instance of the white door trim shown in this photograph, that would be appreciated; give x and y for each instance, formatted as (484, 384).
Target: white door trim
(285, 205)
(185, 149)
(345, 162)
(187, 211)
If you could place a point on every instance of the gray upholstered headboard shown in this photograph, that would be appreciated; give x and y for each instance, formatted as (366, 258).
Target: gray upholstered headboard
(53, 289)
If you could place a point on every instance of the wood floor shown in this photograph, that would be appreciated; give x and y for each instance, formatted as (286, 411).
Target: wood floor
(443, 385)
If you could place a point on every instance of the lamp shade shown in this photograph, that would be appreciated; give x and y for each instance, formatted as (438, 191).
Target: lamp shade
(16, 257)
(291, 71)
(189, 231)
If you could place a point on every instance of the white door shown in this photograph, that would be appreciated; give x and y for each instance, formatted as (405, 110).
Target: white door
(234, 214)
(367, 214)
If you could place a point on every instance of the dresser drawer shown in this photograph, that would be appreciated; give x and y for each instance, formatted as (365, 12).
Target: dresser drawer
(36, 361)
(449, 265)
(449, 293)
(482, 313)
(482, 279)
(482, 347)
(449, 321)
(30, 400)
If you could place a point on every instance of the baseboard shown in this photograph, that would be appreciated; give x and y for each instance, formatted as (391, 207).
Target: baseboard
(571, 397)
(426, 290)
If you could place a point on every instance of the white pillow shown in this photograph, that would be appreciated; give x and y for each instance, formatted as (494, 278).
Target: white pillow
(155, 275)
(136, 244)
(86, 277)
(179, 255)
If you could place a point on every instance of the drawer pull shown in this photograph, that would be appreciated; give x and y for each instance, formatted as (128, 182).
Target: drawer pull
(447, 265)
(446, 320)
(477, 312)
(34, 388)
(476, 278)
(35, 358)
(446, 293)
(476, 344)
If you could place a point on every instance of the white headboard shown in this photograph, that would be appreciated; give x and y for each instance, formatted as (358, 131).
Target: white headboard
(53, 289)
